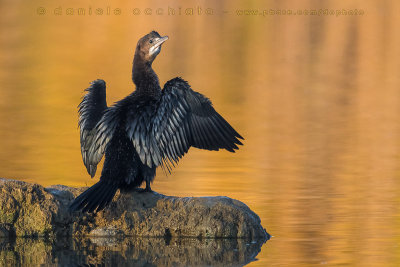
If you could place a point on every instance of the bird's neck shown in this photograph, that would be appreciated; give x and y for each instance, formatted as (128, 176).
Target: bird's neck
(144, 77)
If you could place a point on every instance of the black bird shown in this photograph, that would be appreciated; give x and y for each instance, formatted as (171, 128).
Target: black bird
(148, 128)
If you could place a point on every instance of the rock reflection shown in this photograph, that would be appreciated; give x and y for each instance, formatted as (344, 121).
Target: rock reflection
(103, 251)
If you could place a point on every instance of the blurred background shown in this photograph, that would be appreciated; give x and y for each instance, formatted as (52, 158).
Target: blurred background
(316, 96)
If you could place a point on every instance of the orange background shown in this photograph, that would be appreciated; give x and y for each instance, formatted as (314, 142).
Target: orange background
(316, 97)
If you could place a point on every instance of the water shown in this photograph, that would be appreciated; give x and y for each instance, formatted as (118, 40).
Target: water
(103, 251)
(316, 97)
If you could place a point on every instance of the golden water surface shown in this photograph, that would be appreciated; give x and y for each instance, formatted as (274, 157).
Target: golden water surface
(317, 98)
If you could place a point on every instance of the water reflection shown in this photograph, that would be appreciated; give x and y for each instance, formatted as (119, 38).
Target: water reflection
(316, 97)
(102, 251)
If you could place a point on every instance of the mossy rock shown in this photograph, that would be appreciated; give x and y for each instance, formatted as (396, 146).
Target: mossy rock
(32, 210)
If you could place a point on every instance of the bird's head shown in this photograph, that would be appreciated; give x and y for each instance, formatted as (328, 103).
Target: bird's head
(149, 46)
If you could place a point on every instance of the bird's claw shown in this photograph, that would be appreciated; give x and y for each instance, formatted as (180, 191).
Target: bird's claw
(144, 190)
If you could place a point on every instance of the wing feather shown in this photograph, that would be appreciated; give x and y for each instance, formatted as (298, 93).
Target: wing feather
(97, 123)
(182, 118)
(90, 111)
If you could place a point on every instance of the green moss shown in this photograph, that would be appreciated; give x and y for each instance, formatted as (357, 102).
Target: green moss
(7, 217)
(34, 222)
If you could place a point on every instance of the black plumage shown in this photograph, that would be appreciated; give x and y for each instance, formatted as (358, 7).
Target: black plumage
(148, 128)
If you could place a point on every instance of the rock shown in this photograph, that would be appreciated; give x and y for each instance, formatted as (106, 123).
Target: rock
(32, 210)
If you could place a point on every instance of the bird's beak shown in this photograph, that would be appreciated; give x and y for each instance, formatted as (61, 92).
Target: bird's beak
(156, 48)
(160, 41)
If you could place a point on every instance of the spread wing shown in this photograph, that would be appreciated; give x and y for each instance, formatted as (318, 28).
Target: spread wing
(183, 118)
(92, 122)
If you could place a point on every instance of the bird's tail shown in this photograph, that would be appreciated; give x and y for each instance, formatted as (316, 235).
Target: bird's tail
(95, 198)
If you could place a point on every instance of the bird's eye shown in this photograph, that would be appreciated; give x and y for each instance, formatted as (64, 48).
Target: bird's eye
(151, 41)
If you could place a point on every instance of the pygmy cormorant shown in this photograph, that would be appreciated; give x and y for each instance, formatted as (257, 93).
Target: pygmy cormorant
(148, 128)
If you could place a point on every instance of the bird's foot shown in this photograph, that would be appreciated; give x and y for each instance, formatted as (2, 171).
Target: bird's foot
(144, 190)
